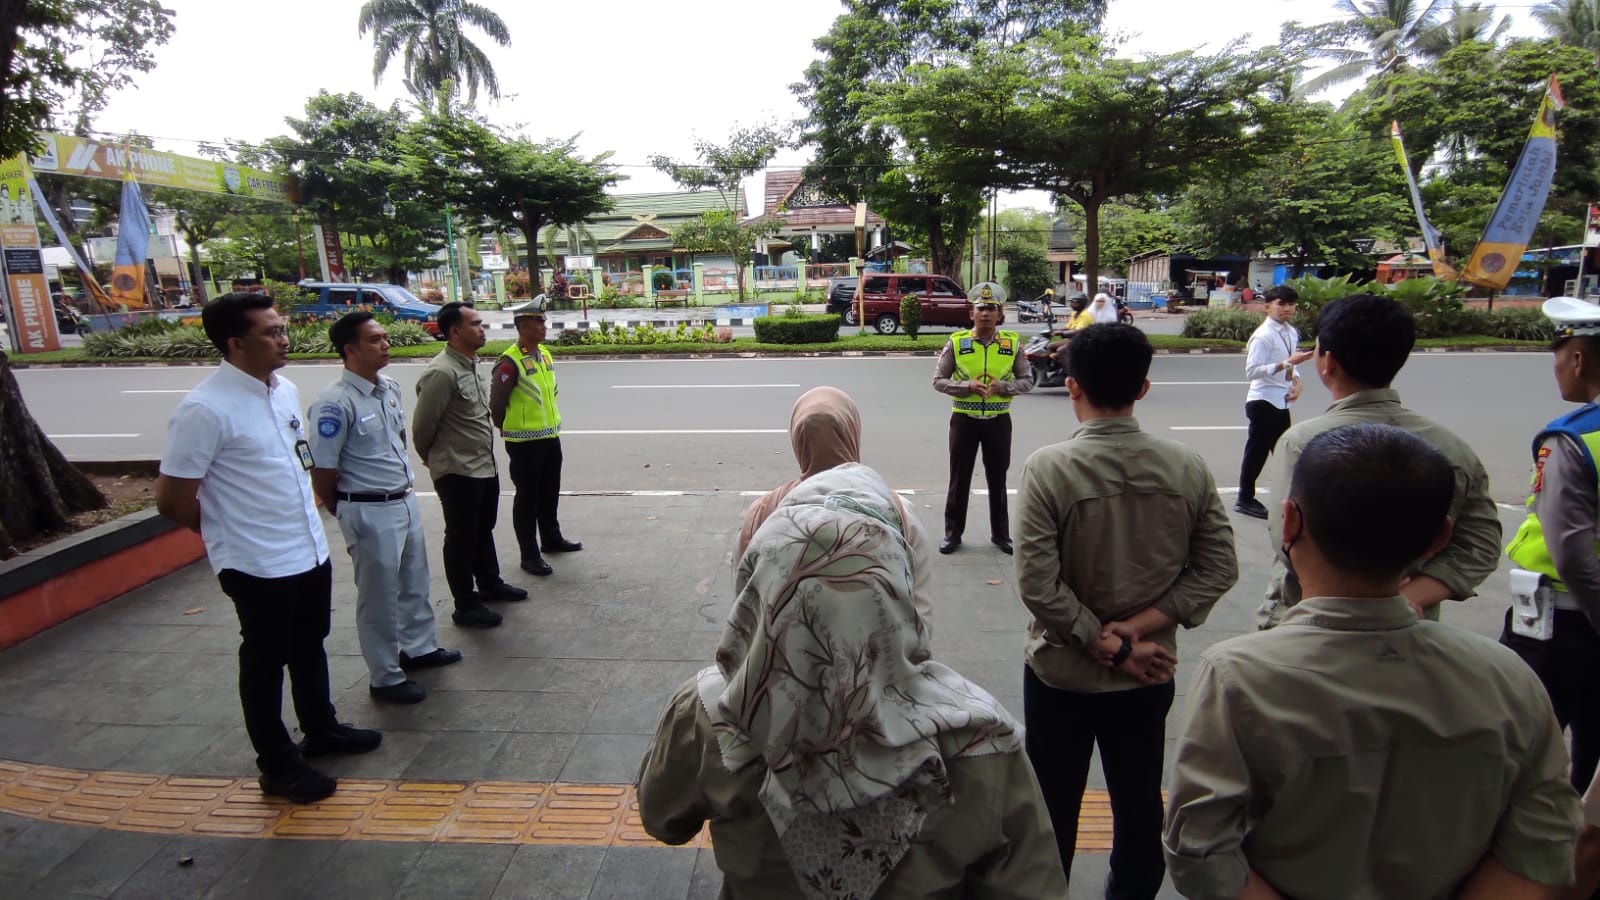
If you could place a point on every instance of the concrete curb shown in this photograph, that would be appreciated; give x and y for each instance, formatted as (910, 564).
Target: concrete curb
(46, 586)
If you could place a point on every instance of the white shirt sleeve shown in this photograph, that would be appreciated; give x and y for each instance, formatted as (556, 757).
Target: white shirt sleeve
(194, 437)
(1260, 360)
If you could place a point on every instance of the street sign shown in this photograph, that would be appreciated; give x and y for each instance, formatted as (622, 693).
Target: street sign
(574, 263)
(495, 262)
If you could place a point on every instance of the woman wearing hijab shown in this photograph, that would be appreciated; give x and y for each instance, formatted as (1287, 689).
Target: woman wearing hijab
(1103, 309)
(832, 757)
(825, 431)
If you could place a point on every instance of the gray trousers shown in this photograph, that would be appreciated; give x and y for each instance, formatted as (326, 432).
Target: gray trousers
(391, 561)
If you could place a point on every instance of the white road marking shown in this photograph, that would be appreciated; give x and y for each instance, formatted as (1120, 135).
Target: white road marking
(1208, 427)
(669, 387)
(904, 492)
(565, 432)
(1199, 383)
(57, 437)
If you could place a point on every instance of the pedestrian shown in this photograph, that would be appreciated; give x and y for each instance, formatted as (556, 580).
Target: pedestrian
(1362, 343)
(982, 368)
(1121, 538)
(522, 401)
(1270, 360)
(235, 469)
(455, 439)
(830, 754)
(362, 475)
(1356, 751)
(1554, 619)
(825, 431)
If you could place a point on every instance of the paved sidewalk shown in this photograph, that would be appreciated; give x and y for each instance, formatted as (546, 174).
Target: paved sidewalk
(564, 694)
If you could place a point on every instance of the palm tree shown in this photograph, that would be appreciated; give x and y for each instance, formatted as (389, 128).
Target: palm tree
(1466, 23)
(430, 36)
(1388, 32)
(1573, 22)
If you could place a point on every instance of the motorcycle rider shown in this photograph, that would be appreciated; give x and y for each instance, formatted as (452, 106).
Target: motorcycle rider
(1081, 319)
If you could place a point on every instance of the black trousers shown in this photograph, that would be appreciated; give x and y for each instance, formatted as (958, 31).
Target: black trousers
(1267, 424)
(282, 622)
(470, 507)
(1569, 666)
(1131, 728)
(536, 471)
(967, 435)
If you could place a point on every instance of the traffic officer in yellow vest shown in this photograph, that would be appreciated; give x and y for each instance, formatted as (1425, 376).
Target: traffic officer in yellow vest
(362, 474)
(522, 400)
(982, 368)
(1554, 620)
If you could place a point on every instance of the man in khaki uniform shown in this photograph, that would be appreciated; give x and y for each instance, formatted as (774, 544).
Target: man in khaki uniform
(1355, 751)
(1121, 538)
(1362, 343)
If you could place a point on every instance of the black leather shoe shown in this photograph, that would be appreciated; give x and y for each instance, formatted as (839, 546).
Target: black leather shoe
(562, 546)
(536, 567)
(404, 693)
(297, 783)
(1251, 507)
(431, 660)
(341, 738)
(503, 591)
(949, 545)
(1003, 543)
(476, 617)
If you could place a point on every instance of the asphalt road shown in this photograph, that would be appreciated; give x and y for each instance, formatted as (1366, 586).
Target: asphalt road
(720, 425)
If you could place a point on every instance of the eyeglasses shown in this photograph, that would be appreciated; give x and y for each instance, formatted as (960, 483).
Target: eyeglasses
(277, 332)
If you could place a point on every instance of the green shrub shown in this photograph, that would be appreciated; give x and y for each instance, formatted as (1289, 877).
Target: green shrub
(803, 329)
(1519, 323)
(644, 333)
(1435, 305)
(1221, 324)
(664, 280)
(911, 315)
(1314, 294)
(155, 337)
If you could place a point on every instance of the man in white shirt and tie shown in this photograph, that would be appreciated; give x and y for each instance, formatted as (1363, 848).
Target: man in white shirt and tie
(1269, 363)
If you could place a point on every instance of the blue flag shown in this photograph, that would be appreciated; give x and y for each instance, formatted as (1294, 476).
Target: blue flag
(133, 247)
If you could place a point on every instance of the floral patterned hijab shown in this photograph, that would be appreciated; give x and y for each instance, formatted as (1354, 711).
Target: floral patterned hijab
(823, 676)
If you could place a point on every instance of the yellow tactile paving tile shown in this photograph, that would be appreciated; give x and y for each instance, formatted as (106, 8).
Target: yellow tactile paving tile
(484, 812)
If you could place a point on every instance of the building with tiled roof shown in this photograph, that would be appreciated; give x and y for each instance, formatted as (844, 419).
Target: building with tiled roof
(804, 211)
(637, 232)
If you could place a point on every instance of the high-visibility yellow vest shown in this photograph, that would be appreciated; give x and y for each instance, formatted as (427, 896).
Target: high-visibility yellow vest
(988, 363)
(531, 413)
(1528, 549)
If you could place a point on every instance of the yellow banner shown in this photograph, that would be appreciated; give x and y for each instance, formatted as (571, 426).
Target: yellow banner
(64, 154)
(28, 308)
(1506, 237)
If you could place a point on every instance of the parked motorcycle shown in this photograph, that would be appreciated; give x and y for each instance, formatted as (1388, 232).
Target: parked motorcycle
(1038, 309)
(1045, 371)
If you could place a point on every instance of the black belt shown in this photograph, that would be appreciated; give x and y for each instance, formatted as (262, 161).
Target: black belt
(373, 498)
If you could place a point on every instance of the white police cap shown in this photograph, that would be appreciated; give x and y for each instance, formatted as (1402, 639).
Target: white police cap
(1572, 317)
(533, 309)
(986, 292)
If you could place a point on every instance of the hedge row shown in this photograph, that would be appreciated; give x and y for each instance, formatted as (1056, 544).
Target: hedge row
(161, 338)
(797, 329)
(1513, 324)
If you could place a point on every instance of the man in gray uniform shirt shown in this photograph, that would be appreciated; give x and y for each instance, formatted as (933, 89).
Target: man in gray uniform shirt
(362, 476)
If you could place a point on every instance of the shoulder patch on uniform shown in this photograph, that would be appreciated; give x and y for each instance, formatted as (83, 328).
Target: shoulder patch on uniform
(1538, 468)
(328, 426)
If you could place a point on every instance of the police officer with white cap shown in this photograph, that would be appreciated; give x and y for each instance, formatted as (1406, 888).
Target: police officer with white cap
(982, 368)
(1554, 620)
(363, 476)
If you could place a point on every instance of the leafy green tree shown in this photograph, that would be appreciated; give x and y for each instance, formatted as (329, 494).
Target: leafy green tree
(867, 51)
(723, 167)
(720, 231)
(1028, 272)
(345, 154)
(1132, 226)
(431, 36)
(1039, 111)
(511, 181)
(1379, 36)
(1324, 192)
(259, 242)
(1466, 23)
(1572, 22)
(198, 217)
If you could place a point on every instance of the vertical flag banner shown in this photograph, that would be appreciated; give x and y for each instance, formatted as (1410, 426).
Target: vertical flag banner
(1500, 250)
(133, 247)
(85, 271)
(1430, 235)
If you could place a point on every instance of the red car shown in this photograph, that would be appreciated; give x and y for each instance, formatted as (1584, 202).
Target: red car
(944, 302)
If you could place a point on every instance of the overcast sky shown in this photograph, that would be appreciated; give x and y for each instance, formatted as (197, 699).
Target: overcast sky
(636, 78)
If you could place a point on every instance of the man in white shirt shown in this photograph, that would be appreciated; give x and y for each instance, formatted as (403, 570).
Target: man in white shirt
(1269, 363)
(235, 469)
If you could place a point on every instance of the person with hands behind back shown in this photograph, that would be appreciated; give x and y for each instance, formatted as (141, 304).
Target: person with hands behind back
(1121, 538)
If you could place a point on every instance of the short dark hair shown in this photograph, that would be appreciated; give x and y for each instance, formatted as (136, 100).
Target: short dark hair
(1372, 496)
(1370, 336)
(1281, 292)
(1110, 361)
(449, 316)
(343, 332)
(228, 317)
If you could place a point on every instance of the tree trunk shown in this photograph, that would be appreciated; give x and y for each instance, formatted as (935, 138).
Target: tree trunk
(200, 298)
(530, 233)
(1091, 246)
(39, 489)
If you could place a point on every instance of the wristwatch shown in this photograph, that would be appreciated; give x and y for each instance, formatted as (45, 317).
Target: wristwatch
(1122, 654)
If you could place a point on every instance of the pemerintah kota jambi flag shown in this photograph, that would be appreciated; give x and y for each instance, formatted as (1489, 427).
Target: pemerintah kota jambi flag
(1506, 238)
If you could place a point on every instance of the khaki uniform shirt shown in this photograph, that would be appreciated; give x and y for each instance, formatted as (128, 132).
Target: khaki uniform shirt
(1110, 522)
(993, 840)
(1354, 751)
(451, 424)
(1473, 553)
